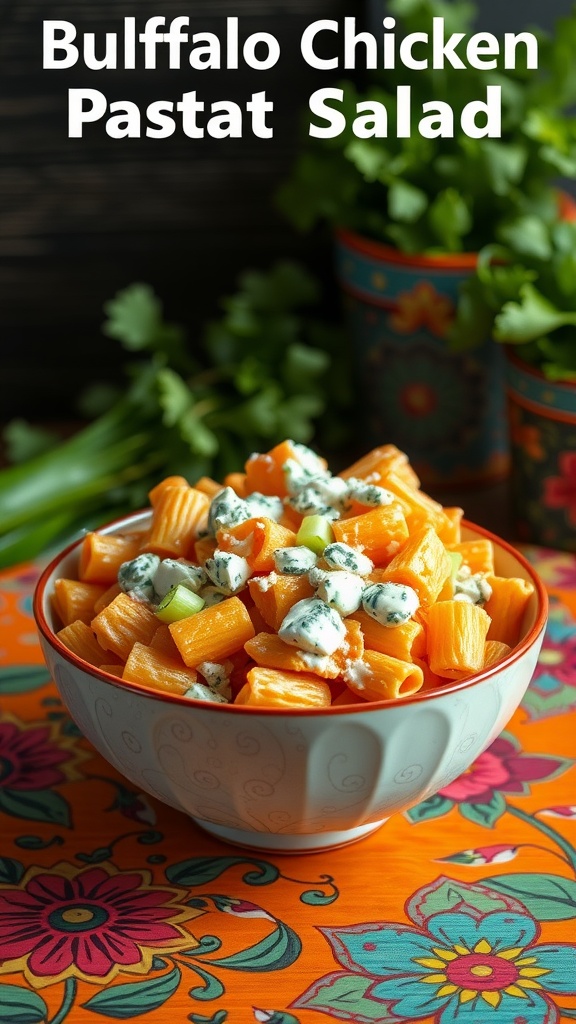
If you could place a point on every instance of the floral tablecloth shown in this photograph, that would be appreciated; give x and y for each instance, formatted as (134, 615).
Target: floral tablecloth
(114, 906)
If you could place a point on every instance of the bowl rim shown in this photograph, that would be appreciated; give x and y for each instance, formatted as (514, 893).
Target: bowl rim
(451, 687)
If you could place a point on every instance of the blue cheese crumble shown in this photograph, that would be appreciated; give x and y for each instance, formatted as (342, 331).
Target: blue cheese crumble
(173, 571)
(294, 561)
(367, 493)
(390, 604)
(340, 589)
(342, 556)
(228, 571)
(136, 577)
(267, 505)
(473, 588)
(227, 509)
(200, 691)
(217, 676)
(313, 626)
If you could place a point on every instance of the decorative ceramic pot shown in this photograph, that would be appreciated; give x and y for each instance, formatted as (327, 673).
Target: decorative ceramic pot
(446, 410)
(543, 439)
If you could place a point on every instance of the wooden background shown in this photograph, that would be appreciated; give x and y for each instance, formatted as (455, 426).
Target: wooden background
(82, 218)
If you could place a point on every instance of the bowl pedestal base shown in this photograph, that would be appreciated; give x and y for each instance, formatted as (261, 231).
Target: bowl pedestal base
(291, 843)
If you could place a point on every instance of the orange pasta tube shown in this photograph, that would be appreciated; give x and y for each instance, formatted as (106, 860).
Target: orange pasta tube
(208, 486)
(422, 564)
(80, 640)
(456, 636)
(378, 534)
(256, 539)
(214, 633)
(270, 687)
(264, 472)
(270, 651)
(163, 485)
(114, 670)
(377, 463)
(419, 508)
(122, 623)
(74, 599)
(163, 642)
(449, 530)
(494, 651)
(152, 667)
(102, 554)
(379, 677)
(507, 607)
(405, 642)
(237, 481)
(178, 515)
(274, 597)
(478, 554)
(109, 594)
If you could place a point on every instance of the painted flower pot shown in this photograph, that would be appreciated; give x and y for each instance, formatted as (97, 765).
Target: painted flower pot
(543, 441)
(446, 410)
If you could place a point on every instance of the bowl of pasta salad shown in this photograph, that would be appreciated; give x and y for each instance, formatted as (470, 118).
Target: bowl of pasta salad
(289, 656)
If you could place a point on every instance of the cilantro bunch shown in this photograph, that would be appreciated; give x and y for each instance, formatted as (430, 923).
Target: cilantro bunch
(258, 374)
(524, 296)
(446, 194)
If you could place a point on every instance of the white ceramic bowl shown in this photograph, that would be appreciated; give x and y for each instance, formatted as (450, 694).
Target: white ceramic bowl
(299, 780)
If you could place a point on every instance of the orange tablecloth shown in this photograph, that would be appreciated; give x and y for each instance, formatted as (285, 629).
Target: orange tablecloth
(113, 906)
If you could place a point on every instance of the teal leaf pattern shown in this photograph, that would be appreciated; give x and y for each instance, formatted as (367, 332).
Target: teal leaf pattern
(125, 1001)
(547, 897)
(486, 814)
(22, 678)
(36, 805)
(343, 995)
(433, 807)
(200, 870)
(11, 871)
(21, 1006)
(277, 950)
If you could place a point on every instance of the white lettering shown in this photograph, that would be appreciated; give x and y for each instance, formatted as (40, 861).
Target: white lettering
(482, 50)
(51, 44)
(272, 51)
(406, 51)
(492, 108)
(109, 60)
(307, 46)
(126, 121)
(78, 114)
(156, 116)
(440, 123)
(374, 124)
(511, 41)
(351, 41)
(335, 118)
(443, 49)
(259, 106)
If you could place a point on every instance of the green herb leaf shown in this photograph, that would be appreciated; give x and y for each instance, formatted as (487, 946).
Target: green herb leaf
(529, 318)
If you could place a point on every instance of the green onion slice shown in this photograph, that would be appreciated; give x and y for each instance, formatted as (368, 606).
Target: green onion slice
(179, 603)
(315, 533)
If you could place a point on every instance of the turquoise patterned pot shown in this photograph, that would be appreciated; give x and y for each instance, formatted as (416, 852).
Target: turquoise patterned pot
(446, 410)
(543, 439)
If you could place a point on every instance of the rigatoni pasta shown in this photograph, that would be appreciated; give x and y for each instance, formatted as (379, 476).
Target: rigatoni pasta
(286, 586)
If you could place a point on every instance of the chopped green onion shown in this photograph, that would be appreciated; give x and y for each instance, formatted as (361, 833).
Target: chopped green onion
(456, 559)
(315, 533)
(179, 603)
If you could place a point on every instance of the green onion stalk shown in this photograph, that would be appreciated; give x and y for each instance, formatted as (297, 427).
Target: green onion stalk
(258, 374)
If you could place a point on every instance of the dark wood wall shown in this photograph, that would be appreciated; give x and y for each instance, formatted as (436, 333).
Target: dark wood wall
(82, 218)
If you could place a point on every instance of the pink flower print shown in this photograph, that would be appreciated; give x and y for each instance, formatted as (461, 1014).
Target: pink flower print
(88, 923)
(501, 769)
(560, 491)
(28, 758)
